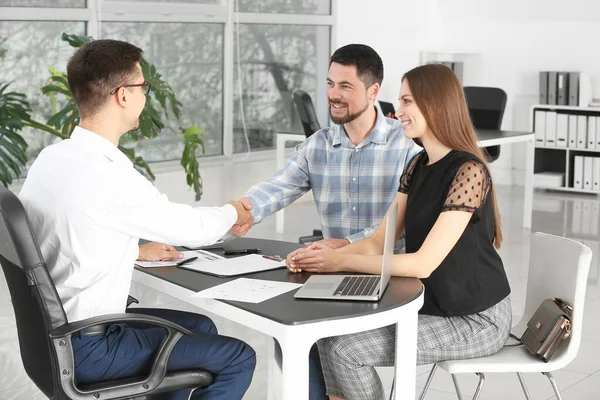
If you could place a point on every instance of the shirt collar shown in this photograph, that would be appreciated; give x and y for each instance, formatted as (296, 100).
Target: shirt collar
(99, 144)
(378, 134)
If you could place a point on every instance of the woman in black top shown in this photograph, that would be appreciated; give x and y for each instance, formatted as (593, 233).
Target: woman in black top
(447, 206)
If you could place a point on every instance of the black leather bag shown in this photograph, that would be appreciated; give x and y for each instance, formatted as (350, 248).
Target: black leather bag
(549, 326)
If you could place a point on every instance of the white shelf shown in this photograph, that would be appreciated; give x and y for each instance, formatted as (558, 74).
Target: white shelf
(568, 189)
(567, 149)
(569, 108)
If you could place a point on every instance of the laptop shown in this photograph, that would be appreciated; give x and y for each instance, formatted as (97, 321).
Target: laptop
(355, 287)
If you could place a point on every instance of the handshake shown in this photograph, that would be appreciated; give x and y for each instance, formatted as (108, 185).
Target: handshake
(244, 221)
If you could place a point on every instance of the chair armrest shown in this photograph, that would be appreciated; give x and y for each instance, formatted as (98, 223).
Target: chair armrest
(131, 299)
(61, 340)
(72, 327)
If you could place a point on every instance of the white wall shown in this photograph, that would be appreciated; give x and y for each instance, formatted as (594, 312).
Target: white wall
(505, 43)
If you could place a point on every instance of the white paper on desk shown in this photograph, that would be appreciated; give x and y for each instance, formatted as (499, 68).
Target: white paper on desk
(201, 254)
(235, 266)
(247, 290)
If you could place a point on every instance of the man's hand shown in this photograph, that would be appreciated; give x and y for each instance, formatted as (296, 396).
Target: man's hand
(154, 251)
(244, 221)
(333, 243)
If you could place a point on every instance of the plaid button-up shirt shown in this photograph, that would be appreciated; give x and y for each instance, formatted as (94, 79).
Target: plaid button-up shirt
(353, 186)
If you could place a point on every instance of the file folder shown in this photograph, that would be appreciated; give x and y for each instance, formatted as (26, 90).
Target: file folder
(596, 174)
(562, 129)
(543, 87)
(573, 88)
(578, 173)
(551, 128)
(572, 135)
(562, 89)
(581, 131)
(576, 220)
(597, 133)
(552, 87)
(587, 172)
(586, 215)
(540, 127)
(595, 217)
(591, 134)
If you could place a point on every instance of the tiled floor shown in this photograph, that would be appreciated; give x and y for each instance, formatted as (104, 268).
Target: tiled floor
(553, 213)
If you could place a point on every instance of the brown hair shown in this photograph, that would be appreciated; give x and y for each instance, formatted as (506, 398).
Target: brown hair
(99, 67)
(439, 95)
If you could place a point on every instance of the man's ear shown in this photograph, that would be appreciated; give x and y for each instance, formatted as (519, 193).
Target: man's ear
(373, 91)
(121, 96)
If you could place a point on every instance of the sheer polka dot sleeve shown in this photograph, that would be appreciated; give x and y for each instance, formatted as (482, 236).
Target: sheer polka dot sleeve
(469, 188)
(406, 177)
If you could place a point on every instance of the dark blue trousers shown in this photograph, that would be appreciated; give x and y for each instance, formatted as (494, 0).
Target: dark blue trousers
(128, 350)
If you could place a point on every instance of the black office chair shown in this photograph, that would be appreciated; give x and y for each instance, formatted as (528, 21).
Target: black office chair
(387, 109)
(45, 334)
(310, 124)
(486, 107)
(306, 110)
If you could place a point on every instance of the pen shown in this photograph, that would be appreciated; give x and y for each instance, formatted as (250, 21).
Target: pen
(189, 260)
(274, 258)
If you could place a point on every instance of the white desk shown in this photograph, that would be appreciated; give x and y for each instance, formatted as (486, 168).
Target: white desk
(298, 324)
(486, 138)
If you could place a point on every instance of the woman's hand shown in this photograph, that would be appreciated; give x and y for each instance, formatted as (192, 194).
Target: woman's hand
(316, 258)
(155, 251)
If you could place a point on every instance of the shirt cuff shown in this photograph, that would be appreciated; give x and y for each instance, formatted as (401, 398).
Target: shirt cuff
(230, 214)
(356, 237)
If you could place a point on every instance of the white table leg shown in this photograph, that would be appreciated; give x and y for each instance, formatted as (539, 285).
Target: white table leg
(528, 201)
(295, 352)
(275, 375)
(406, 357)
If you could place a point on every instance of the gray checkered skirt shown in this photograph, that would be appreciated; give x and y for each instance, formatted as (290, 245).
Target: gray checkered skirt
(348, 361)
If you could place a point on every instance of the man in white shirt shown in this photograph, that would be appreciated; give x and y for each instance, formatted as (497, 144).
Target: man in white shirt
(89, 207)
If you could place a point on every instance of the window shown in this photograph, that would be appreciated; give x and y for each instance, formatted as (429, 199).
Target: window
(275, 60)
(43, 3)
(27, 49)
(322, 7)
(284, 45)
(193, 66)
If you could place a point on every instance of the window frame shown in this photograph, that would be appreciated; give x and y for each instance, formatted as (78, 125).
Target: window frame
(97, 12)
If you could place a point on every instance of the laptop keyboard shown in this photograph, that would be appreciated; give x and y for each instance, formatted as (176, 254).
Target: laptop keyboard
(357, 286)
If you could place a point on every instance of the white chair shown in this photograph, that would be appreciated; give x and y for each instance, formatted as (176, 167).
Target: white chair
(558, 267)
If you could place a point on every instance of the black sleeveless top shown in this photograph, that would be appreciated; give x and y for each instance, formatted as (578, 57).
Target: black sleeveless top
(472, 277)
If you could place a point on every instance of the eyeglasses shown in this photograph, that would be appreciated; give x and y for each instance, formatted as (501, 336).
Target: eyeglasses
(145, 87)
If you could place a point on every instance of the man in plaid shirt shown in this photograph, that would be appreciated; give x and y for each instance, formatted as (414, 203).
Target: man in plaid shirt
(352, 167)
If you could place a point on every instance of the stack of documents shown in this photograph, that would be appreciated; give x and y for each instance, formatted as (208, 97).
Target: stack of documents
(201, 255)
(235, 266)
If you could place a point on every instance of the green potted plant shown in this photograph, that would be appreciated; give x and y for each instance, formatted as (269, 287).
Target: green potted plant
(65, 119)
(14, 113)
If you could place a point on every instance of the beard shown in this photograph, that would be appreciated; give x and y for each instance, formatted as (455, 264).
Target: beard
(348, 117)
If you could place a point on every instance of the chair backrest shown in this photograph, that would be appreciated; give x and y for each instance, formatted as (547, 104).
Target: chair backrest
(486, 107)
(306, 110)
(387, 109)
(558, 267)
(36, 304)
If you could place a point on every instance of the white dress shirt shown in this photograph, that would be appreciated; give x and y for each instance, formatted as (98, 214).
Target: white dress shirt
(88, 207)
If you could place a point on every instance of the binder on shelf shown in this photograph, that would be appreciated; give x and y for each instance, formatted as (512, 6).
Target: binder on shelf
(597, 133)
(587, 172)
(581, 131)
(573, 88)
(586, 215)
(596, 174)
(572, 135)
(543, 87)
(576, 221)
(578, 173)
(585, 89)
(550, 128)
(562, 129)
(540, 127)
(595, 217)
(591, 134)
(552, 86)
(457, 67)
(562, 88)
